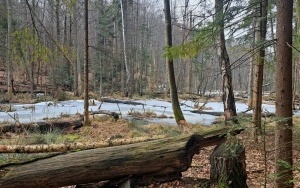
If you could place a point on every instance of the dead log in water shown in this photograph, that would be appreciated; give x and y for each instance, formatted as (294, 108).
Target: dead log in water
(241, 114)
(42, 127)
(114, 115)
(109, 100)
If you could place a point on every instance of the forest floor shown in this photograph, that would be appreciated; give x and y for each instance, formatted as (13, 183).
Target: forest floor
(259, 156)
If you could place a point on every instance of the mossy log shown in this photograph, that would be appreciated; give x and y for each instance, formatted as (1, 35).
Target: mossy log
(158, 157)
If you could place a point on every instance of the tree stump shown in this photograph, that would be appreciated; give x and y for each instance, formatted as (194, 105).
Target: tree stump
(228, 167)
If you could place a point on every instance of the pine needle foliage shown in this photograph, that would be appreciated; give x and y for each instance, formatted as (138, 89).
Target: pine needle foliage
(201, 40)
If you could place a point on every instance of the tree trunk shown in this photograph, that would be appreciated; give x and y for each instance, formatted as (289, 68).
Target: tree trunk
(250, 84)
(228, 96)
(76, 38)
(172, 83)
(57, 58)
(86, 66)
(8, 46)
(284, 95)
(297, 63)
(159, 157)
(251, 68)
(128, 75)
(259, 68)
(35, 38)
(52, 48)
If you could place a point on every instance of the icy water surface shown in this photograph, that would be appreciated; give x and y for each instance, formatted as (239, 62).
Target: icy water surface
(25, 113)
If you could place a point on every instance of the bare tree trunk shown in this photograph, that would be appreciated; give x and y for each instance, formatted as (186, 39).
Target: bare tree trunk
(35, 38)
(57, 58)
(86, 66)
(251, 68)
(228, 96)
(52, 48)
(297, 63)
(284, 95)
(173, 89)
(191, 73)
(8, 45)
(75, 38)
(250, 84)
(259, 68)
(128, 75)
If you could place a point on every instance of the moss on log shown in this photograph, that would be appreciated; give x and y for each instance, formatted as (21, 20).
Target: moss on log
(158, 157)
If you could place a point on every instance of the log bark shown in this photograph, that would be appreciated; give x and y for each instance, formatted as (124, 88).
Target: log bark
(226, 69)
(42, 127)
(159, 157)
(228, 166)
(45, 148)
(108, 100)
(208, 112)
(178, 115)
(114, 115)
(222, 113)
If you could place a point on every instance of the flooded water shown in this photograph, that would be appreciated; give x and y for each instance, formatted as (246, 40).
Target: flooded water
(25, 113)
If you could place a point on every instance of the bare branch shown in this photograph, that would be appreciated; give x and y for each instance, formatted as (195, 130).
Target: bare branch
(49, 34)
(293, 47)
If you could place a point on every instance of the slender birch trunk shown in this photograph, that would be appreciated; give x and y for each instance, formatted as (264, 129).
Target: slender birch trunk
(127, 83)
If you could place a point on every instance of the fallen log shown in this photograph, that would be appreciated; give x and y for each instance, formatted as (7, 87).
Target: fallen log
(267, 114)
(42, 127)
(46, 148)
(108, 100)
(159, 157)
(25, 91)
(114, 115)
(242, 114)
(207, 112)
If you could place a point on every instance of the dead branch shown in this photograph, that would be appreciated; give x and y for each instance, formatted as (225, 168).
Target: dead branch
(46, 148)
